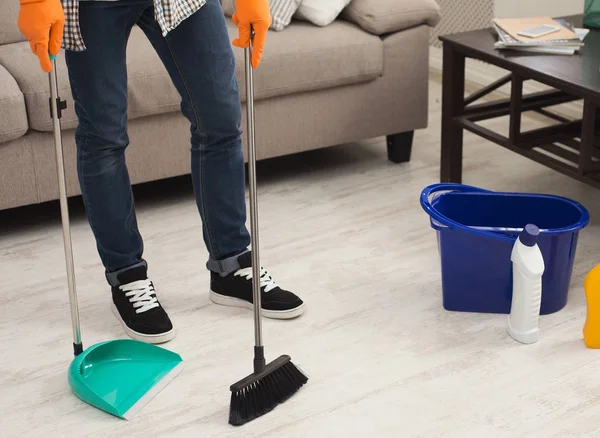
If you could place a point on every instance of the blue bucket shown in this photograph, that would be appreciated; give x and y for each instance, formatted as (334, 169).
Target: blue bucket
(476, 231)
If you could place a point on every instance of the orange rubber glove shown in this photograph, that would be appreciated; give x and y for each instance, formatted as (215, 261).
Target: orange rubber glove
(42, 22)
(254, 14)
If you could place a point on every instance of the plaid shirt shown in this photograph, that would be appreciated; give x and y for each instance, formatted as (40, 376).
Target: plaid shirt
(168, 14)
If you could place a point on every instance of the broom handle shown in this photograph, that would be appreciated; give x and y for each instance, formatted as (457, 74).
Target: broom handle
(253, 199)
(64, 209)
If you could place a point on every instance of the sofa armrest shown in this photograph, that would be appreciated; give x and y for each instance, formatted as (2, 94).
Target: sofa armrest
(385, 16)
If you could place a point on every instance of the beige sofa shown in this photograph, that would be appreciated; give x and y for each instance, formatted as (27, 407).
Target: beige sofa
(363, 76)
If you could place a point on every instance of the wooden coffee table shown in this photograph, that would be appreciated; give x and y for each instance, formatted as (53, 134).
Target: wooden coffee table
(571, 147)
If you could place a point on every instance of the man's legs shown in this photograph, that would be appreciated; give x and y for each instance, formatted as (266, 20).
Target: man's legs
(98, 78)
(199, 58)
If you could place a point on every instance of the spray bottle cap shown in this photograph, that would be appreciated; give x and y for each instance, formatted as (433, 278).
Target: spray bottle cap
(529, 235)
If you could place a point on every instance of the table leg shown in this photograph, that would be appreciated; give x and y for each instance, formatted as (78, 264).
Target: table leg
(453, 104)
(516, 101)
(587, 138)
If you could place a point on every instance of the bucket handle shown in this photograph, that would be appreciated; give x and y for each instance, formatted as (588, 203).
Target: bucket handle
(440, 222)
(429, 191)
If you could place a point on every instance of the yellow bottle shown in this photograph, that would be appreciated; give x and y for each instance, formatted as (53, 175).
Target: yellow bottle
(591, 328)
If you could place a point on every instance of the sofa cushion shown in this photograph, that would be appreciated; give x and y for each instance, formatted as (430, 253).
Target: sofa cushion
(13, 117)
(300, 58)
(9, 31)
(387, 16)
(305, 58)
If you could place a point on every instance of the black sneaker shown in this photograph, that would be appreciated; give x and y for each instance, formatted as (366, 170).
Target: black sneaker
(135, 305)
(236, 290)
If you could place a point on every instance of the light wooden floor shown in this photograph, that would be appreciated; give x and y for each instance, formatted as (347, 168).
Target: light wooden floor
(344, 228)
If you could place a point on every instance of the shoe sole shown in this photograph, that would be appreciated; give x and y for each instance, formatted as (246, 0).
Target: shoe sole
(150, 339)
(224, 300)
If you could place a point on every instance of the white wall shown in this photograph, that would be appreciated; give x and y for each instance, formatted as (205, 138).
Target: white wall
(529, 8)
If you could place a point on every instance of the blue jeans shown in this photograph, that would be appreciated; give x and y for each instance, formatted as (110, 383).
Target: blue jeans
(199, 58)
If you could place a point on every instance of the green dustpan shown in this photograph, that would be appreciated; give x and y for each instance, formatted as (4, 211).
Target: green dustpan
(120, 376)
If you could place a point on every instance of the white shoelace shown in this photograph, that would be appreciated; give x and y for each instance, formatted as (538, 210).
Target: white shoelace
(266, 280)
(141, 295)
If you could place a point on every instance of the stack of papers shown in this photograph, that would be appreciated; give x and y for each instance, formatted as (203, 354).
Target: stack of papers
(567, 41)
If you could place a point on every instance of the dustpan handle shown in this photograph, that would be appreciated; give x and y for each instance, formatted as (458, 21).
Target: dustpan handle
(253, 198)
(56, 106)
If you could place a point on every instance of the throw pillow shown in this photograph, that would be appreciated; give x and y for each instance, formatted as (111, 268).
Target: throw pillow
(282, 11)
(320, 12)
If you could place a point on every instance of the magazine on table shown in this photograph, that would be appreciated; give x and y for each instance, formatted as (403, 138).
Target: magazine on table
(567, 41)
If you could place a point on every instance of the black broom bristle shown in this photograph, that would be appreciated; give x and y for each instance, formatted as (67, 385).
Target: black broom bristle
(263, 393)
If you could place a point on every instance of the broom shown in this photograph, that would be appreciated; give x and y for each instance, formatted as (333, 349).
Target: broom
(273, 383)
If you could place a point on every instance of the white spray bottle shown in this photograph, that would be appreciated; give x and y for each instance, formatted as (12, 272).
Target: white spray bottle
(528, 268)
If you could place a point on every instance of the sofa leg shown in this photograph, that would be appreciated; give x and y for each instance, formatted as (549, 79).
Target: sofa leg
(399, 147)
